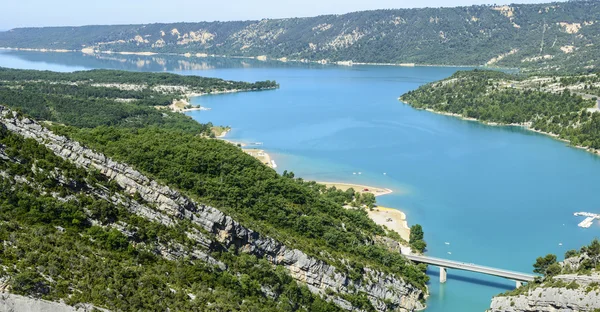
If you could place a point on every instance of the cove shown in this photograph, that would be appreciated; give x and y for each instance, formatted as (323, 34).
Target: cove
(500, 196)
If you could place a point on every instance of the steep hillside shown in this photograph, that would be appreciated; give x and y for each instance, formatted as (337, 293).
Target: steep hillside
(194, 220)
(558, 36)
(571, 285)
(72, 232)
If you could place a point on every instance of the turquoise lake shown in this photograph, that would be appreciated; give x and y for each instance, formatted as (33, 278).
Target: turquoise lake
(500, 196)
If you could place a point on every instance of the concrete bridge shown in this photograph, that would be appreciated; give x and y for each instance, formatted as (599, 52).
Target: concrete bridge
(444, 264)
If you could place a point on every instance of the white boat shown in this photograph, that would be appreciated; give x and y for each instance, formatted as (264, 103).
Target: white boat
(587, 222)
(447, 243)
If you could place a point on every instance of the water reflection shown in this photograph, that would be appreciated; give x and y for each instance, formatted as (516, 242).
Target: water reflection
(155, 63)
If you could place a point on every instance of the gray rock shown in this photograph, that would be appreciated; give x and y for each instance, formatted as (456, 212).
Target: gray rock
(553, 299)
(16, 303)
(548, 299)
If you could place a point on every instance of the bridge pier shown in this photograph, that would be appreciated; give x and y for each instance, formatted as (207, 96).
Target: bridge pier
(443, 264)
(442, 275)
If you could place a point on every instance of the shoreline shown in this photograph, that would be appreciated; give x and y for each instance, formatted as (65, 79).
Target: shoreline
(260, 154)
(377, 191)
(527, 127)
(392, 219)
(188, 97)
(87, 51)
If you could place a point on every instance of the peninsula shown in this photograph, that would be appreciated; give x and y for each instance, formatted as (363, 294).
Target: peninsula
(390, 218)
(565, 107)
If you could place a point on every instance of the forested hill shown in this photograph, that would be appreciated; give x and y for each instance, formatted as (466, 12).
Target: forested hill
(562, 35)
(151, 214)
(565, 106)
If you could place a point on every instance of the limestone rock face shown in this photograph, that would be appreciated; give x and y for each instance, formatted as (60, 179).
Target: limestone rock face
(228, 233)
(548, 299)
(553, 299)
(16, 303)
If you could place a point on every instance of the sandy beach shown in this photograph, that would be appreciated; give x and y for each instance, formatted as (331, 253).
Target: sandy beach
(220, 131)
(260, 155)
(391, 218)
(377, 191)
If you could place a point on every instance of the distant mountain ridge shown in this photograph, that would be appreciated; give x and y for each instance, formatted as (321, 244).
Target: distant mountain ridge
(556, 36)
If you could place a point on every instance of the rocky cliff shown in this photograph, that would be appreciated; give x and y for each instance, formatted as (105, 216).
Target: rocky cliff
(564, 298)
(576, 289)
(384, 290)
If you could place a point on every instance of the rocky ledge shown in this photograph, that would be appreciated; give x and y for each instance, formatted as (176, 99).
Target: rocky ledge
(561, 293)
(384, 290)
(550, 299)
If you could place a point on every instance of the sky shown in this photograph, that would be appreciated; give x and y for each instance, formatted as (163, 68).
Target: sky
(36, 13)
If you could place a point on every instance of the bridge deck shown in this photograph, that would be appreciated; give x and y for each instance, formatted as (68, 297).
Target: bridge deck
(516, 276)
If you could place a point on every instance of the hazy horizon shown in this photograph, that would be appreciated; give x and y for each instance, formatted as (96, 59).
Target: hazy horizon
(39, 13)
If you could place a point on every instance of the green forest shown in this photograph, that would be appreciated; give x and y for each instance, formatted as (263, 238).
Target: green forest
(175, 150)
(105, 97)
(529, 36)
(491, 96)
(52, 250)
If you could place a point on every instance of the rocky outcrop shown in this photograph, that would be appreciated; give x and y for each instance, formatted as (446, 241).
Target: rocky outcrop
(16, 303)
(550, 300)
(381, 288)
(564, 293)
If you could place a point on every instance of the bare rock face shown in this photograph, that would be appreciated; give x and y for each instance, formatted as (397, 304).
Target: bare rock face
(16, 303)
(554, 299)
(316, 274)
(548, 299)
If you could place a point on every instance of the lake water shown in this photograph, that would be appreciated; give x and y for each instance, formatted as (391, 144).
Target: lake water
(500, 196)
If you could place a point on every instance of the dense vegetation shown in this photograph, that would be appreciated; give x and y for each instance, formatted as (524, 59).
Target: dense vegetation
(416, 239)
(174, 150)
(60, 242)
(288, 209)
(561, 36)
(509, 99)
(106, 97)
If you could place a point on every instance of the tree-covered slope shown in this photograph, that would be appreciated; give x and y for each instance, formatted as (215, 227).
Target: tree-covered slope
(562, 35)
(65, 238)
(289, 223)
(108, 97)
(565, 106)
